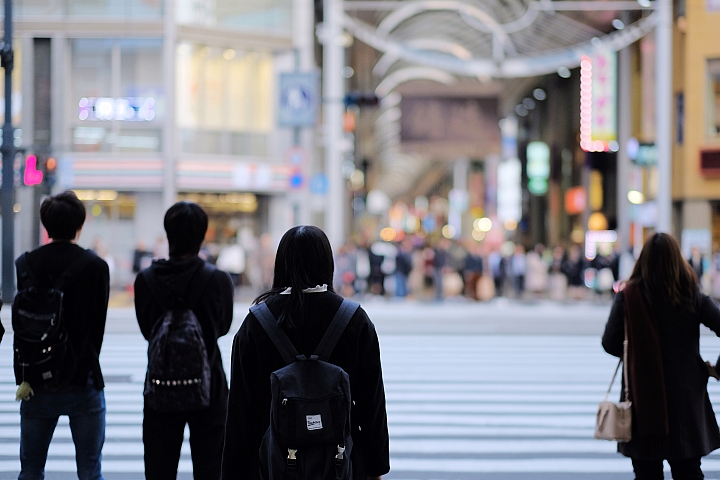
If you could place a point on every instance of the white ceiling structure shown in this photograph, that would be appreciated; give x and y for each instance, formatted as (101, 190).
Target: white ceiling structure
(444, 41)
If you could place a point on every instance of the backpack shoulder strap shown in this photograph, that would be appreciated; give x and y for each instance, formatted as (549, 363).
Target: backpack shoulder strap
(337, 327)
(75, 269)
(23, 269)
(156, 289)
(275, 332)
(200, 284)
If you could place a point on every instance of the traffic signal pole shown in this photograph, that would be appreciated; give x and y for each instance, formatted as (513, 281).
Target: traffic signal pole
(7, 193)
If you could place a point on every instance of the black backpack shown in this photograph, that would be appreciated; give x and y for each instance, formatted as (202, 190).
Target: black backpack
(178, 375)
(309, 433)
(42, 355)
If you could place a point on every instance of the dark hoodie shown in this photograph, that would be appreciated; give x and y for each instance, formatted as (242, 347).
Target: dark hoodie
(214, 310)
(85, 303)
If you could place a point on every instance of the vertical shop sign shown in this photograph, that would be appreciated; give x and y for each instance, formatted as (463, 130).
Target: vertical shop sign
(604, 97)
(509, 199)
(598, 101)
(538, 167)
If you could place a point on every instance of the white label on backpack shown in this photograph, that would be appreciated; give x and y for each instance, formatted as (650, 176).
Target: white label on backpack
(48, 375)
(314, 422)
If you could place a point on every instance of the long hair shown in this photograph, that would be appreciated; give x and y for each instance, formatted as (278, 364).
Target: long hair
(665, 277)
(304, 260)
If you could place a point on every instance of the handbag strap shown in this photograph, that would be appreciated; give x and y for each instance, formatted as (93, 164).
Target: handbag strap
(623, 361)
(625, 364)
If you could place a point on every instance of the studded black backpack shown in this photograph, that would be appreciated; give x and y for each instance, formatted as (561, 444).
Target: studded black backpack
(178, 375)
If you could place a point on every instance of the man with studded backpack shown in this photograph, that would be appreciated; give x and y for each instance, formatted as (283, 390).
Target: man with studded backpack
(184, 298)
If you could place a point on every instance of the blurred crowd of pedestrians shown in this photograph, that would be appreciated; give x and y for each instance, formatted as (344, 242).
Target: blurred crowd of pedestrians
(445, 268)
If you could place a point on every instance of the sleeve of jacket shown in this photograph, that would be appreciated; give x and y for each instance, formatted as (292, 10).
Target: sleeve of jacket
(242, 440)
(709, 313)
(370, 400)
(223, 290)
(100, 305)
(147, 311)
(614, 336)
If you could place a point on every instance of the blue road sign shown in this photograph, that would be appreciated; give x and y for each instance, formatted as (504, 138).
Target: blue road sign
(319, 184)
(299, 98)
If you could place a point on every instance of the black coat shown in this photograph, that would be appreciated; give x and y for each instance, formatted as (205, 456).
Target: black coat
(255, 357)
(85, 302)
(693, 428)
(214, 310)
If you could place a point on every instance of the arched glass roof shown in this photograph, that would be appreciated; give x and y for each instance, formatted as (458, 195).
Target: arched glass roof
(490, 40)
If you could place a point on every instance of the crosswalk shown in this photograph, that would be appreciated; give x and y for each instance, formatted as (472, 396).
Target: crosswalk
(459, 407)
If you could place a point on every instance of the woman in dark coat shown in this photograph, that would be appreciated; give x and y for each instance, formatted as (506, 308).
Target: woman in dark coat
(304, 262)
(662, 309)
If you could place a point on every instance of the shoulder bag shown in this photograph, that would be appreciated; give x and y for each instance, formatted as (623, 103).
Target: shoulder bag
(614, 420)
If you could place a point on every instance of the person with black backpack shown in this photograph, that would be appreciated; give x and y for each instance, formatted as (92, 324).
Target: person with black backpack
(183, 306)
(307, 400)
(58, 319)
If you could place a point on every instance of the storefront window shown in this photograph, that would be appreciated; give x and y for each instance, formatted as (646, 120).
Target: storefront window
(271, 17)
(224, 100)
(713, 122)
(116, 92)
(136, 9)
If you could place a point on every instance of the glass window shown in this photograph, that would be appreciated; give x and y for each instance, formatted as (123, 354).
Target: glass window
(116, 94)
(257, 16)
(713, 122)
(224, 100)
(138, 9)
(91, 69)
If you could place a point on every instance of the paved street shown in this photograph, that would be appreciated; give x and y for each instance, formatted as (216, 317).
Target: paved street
(495, 391)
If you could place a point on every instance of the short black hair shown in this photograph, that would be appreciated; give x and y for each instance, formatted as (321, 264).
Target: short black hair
(186, 224)
(62, 215)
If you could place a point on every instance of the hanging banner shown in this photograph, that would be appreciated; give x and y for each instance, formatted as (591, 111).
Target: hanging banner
(604, 96)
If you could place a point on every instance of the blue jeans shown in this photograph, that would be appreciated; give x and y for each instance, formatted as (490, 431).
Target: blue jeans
(401, 280)
(38, 418)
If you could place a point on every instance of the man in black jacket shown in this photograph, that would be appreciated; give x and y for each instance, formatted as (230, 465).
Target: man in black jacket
(186, 224)
(85, 302)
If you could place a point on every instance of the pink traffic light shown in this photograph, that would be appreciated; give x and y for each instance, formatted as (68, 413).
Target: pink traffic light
(32, 175)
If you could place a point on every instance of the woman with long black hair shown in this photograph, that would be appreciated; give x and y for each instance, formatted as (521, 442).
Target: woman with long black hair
(661, 309)
(304, 303)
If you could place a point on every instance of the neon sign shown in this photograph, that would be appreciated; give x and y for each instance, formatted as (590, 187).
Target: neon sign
(128, 109)
(598, 96)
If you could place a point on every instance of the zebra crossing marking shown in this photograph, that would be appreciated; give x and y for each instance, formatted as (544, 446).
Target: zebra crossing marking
(456, 405)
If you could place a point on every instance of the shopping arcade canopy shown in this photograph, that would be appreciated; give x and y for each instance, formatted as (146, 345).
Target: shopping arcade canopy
(490, 40)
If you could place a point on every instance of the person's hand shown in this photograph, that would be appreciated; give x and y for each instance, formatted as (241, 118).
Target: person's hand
(712, 372)
(374, 478)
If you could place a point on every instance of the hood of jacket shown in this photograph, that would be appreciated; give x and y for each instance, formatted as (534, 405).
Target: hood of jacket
(177, 274)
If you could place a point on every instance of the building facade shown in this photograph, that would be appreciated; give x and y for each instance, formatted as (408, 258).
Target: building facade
(145, 102)
(696, 156)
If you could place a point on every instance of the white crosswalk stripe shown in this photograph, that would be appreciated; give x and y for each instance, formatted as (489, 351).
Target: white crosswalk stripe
(458, 407)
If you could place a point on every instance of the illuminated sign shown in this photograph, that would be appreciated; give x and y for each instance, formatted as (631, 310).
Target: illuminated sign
(509, 193)
(128, 109)
(32, 175)
(598, 98)
(538, 167)
(593, 237)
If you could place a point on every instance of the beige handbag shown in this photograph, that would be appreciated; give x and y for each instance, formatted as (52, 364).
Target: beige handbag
(614, 420)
